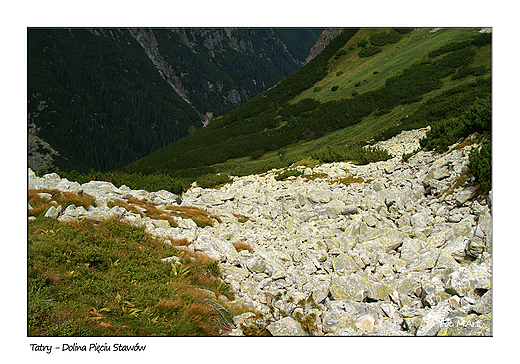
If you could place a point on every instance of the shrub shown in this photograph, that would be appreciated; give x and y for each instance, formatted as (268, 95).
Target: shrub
(479, 71)
(384, 38)
(281, 154)
(480, 165)
(340, 53)
(403, 30)
(462, 72)
(407, 156)
(334, 88)
(369, 51)
(475, 118)
(213, 179)
(257, 154)
(135, 181)
(357, 154)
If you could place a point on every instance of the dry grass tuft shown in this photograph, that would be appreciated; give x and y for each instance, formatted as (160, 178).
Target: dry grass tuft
(180, 242)
(126, 206)
(201, 217)
(242, 246)
(40, 205)
(242, 218)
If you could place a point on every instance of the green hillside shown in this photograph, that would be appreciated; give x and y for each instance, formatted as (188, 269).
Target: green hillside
(367, 84)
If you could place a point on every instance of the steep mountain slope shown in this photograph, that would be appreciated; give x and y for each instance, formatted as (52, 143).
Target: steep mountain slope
(102, 98)
(365, 84)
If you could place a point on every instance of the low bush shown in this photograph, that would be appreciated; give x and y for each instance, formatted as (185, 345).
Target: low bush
(403, 30)
(212, 180)
(369, 51)
(384, 38)
(475, 118)
(340, 53)
(355, 154)
(480, 165)
(257, 154)
(334, 88)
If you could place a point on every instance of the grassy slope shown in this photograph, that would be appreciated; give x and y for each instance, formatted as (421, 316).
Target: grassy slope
(346, 72)
(392, 60)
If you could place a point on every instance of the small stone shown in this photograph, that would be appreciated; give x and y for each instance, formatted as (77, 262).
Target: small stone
(454, 302)
(256, 265)
(366, 323)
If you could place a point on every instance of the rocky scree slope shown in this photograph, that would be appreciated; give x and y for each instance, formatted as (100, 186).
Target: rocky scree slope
(407, 251)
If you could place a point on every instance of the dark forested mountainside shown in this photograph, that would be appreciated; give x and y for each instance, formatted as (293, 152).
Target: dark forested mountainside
(101, 99)
(222, 68)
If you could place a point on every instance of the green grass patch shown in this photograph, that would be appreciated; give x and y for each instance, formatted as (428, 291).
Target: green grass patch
(213, 180)
(288, 173)
(107, 279)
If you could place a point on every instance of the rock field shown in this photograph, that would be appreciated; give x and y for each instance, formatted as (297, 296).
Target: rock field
(405, 251)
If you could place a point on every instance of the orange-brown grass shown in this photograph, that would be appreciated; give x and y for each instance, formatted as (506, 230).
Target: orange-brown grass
(242, 218)
(151, 210)
(201, 315)
(180, 242)
(312, 177)
(199, 216)
(242, 246)
(64, 199)
(351, 179)
(126, 206)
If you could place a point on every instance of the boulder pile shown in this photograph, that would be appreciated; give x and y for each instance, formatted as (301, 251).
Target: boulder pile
(390, 248)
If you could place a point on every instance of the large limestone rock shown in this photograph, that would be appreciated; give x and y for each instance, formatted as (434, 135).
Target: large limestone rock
(101, 190)
(467, 280)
